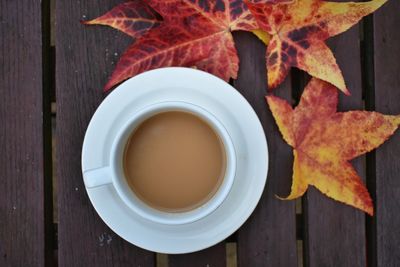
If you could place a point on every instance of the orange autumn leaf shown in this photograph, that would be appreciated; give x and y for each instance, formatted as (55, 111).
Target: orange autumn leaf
(324, 141)
(194, 33)
(133, 18)
(299, 29)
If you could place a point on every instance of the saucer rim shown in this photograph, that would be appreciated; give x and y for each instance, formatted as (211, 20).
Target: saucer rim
(169, 74)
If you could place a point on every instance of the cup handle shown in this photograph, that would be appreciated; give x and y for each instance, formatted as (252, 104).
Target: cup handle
(97, 177)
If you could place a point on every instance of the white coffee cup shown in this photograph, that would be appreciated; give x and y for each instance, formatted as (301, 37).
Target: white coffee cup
(113, 174)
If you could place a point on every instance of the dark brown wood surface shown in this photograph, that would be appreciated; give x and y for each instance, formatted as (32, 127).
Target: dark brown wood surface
(333, 233)
(268, 238)
(387, 100)
(22, 232)
(85, 58)
(211, 257)
(333, 229)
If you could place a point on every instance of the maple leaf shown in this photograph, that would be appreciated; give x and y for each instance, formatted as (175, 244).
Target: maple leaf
(194, 33)
(324, 141)
(299, 29)
(133, 18)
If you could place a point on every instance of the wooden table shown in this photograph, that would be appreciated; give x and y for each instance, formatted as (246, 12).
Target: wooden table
(313, 231)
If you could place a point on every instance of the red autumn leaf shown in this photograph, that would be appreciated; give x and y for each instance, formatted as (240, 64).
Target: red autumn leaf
(194, 33)
(324, 141)
(299, 29)
(133, 18)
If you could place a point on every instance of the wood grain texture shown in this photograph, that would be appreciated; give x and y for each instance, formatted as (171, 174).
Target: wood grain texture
(334, 232)
(268, 238)
(21, 135)
(211, 257)
(387, 100)
(85, 57)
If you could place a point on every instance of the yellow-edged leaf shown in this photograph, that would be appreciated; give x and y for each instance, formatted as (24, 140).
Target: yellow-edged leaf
(299, 29)
(324, 141)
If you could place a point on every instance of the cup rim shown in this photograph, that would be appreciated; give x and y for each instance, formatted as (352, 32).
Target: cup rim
(139, 206)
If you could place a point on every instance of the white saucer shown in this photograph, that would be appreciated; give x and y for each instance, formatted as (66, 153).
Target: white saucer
(232, 110)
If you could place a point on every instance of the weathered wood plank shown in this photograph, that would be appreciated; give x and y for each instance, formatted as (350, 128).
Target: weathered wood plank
(268, 238)
(84, 58)
(335, 233)
(22, 231)
(387, 100)
(212, 257)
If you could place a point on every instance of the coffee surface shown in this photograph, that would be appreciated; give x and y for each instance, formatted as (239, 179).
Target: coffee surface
(174, 161)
